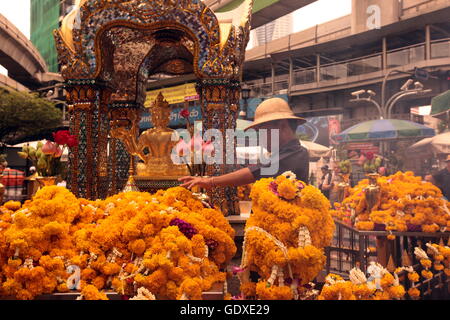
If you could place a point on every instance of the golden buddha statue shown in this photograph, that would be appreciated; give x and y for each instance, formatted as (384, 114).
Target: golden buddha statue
(154, 146)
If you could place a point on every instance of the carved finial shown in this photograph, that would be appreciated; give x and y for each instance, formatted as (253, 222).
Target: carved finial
(391, 265)
(406, 259)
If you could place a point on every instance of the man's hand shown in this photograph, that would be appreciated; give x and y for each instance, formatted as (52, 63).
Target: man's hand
(189, 182)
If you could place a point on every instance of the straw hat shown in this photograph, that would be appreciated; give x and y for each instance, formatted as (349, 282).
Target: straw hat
(274, 109)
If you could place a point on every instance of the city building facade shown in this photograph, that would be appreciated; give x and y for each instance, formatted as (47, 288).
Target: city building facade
(320, 67)
(46, 16)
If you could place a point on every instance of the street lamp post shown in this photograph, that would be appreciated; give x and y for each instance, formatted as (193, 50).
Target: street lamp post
(368, 99)
(386, 107)
(245, 93)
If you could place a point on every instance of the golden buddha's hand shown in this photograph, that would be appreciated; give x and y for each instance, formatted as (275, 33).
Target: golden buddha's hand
(189, 182)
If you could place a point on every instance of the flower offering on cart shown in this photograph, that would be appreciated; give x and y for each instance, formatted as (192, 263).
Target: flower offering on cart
(406, 204)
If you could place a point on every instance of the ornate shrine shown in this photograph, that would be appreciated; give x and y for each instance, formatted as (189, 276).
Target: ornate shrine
(108, 50)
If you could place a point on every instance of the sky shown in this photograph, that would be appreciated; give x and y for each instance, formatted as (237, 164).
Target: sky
(18, 12)
(320, 12)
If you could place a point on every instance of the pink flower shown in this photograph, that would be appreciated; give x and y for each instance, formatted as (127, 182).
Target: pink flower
(49, 148)
(182, 148)
(236, 269)
(58, 152)
(208, 147)
(196, 143)
(361, 160)
(274, 188)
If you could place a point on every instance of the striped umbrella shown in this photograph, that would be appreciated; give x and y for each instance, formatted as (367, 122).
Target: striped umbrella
(384, 130)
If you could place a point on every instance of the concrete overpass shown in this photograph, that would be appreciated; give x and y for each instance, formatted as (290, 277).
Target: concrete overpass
(22, 60)
(263, 11)
(334, 56)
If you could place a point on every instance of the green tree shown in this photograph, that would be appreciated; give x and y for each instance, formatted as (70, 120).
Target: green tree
(23, 114)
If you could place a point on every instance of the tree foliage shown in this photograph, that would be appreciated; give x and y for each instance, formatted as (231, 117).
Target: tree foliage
(23, 114)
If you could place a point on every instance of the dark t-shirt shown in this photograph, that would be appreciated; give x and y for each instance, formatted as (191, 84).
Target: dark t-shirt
(291, 157)
(442, 179)
(326, 179)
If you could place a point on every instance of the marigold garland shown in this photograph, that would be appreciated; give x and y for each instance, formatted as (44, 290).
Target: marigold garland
(361, 288)
(285, 237)
(123, 242)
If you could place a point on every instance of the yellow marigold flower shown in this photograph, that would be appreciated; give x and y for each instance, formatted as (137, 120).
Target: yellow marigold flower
(413, 276)
(387, 280)
(12, 205)
(396, 292)
(137, 246)
(287, 190)
(427, 274)
(426, 263)
(438, 266)
(90, 292)
(414, 293)
(364, 225)
(265, 292)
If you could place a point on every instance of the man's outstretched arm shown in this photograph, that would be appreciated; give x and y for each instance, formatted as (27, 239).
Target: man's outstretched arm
(233, 179)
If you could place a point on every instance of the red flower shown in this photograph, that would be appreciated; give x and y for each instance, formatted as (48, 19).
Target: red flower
(72, 141)
(369, 155)
(61, 136)
(185, 113)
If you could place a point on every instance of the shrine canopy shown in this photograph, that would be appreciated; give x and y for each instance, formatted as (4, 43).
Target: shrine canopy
(122, 43)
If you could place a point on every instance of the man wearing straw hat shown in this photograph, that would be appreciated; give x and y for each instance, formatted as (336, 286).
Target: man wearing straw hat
(442, 179)
(272, 114)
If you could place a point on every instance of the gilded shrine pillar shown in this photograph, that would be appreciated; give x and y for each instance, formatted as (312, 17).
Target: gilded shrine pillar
(220, 107)
(87, 100)
(123, 115)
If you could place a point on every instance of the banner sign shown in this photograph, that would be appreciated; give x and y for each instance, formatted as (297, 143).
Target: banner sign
(363, 147)
(176, 119)
(173, 95)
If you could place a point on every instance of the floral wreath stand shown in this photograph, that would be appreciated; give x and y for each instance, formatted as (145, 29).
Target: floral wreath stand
(278, 274)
